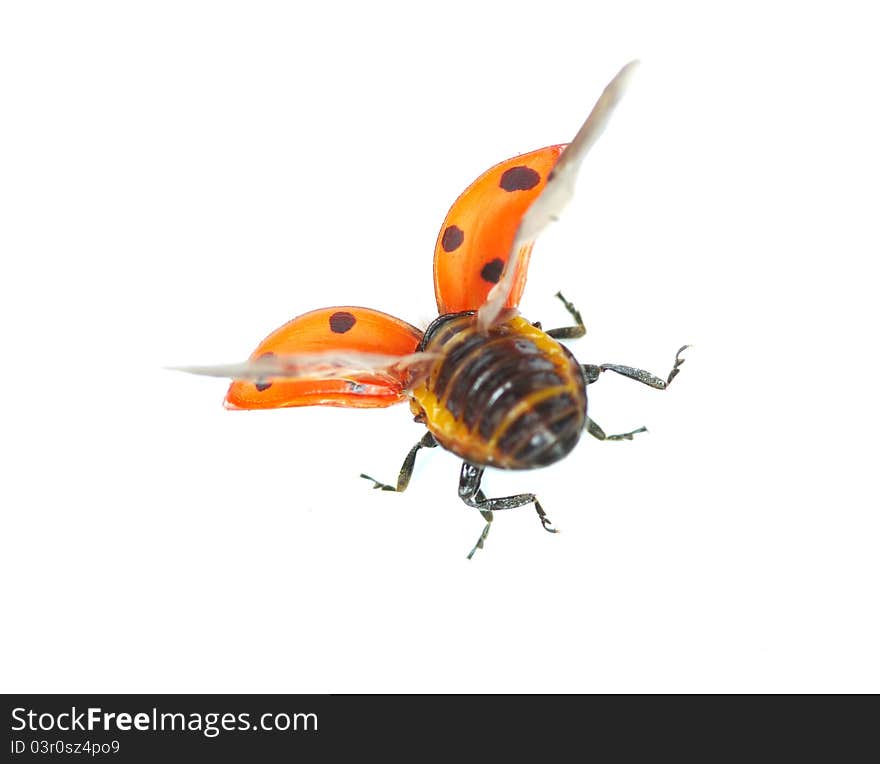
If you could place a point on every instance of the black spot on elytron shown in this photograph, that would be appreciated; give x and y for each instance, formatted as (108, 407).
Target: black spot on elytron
(492, 270)
(519, 178)
(452, 239)
(341, 322)
(264, 385)
(551, 175)
(356, 387)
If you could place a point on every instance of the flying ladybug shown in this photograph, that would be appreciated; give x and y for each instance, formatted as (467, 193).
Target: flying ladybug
(490, 386)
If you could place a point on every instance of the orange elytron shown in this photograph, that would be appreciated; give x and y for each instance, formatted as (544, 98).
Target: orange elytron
(331, 329)
(477, 235)
(488, 385)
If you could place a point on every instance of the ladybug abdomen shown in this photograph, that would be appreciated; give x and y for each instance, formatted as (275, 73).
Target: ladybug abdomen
(514, 399)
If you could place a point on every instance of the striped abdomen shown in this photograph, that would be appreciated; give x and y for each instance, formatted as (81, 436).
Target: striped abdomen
(514, 399)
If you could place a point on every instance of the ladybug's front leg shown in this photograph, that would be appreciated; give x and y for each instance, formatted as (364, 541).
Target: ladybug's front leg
(469, 492)
(406, 470)
(569, 332)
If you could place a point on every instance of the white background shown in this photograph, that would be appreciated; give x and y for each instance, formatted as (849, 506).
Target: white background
(179, 178)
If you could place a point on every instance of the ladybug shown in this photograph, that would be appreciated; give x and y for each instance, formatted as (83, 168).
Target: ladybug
(491, 387)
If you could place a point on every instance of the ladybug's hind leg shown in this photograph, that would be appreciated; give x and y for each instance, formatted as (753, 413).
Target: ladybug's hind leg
(591, 374)
(469, 492)
(599, 433)
(487, 515)
(406, 470)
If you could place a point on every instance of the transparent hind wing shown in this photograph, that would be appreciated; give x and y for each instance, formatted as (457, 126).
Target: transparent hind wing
(319, 365)
(558, 192)
(335, 356)
(352, 379)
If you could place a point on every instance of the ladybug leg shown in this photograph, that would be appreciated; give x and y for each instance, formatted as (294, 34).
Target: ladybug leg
(487, 515)
(591, 373)
(569, 332)
(469, 492)
(599, 433)
(406, 469)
